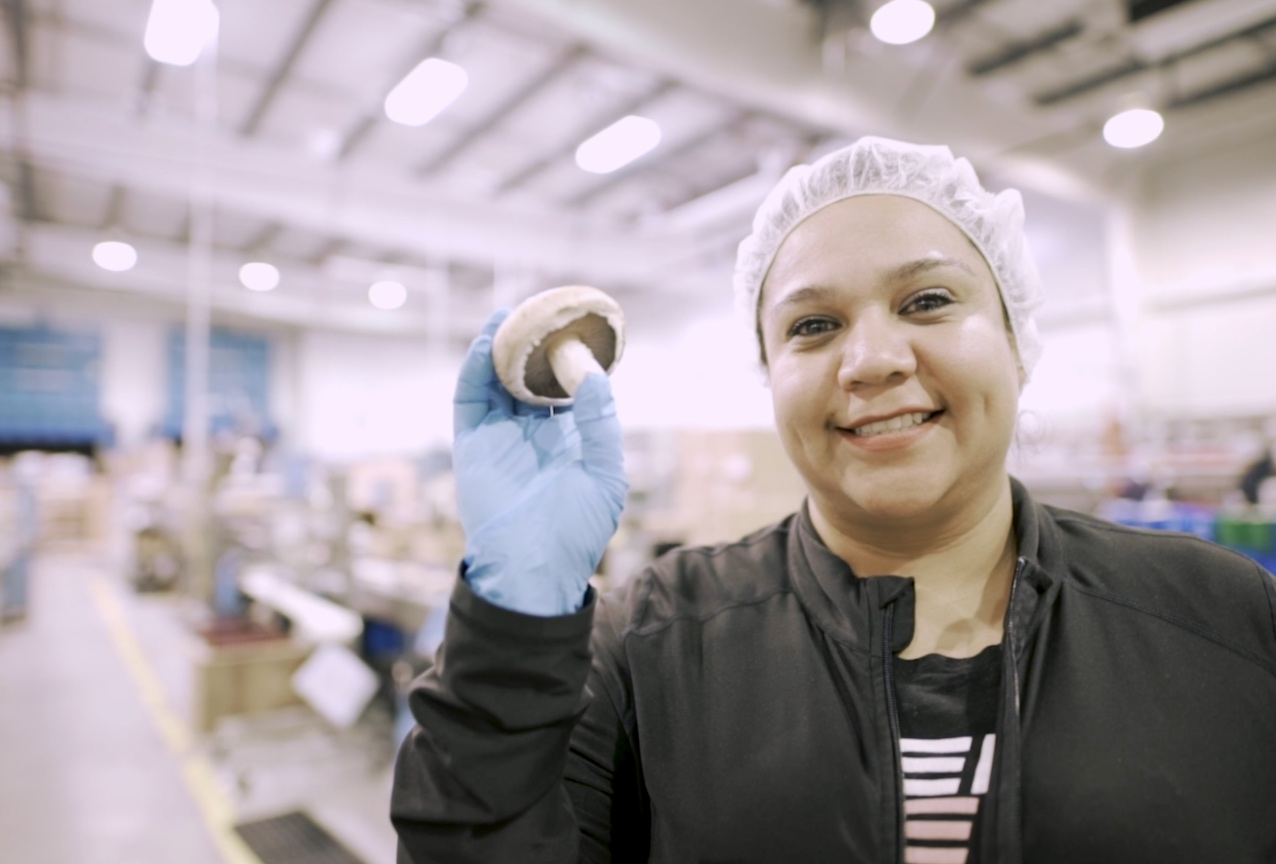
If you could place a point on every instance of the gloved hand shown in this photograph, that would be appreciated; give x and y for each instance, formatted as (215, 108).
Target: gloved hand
(540, 493)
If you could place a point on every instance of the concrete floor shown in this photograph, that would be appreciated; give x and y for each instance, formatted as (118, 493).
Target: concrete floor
(97, 763)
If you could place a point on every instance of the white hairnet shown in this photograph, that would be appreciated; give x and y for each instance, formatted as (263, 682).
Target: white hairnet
(926, 173)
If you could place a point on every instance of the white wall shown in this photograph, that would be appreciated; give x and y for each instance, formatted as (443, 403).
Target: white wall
(363, 396)
(134, 382)
(360, 396)
(703, 374)
(1078, 378)
(1205, 245)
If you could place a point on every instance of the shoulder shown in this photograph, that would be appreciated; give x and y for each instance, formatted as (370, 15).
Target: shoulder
(1135, 554)
(1179, 578)
(699, 582)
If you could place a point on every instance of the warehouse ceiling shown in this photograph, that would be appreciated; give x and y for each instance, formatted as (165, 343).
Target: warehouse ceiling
(301, 167)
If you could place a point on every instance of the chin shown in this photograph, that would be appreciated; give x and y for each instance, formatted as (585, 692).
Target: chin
(893, 507)
(892, 498)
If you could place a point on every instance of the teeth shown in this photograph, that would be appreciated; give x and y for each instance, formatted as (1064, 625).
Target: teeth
(895, 424)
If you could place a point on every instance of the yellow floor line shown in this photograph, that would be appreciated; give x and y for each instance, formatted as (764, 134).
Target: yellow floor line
(197, 771)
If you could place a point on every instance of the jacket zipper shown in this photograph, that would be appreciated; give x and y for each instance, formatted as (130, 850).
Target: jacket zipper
(1009, 628)
(1011, 661)
(892, 713)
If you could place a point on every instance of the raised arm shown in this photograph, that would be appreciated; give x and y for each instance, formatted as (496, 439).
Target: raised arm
(481, 777)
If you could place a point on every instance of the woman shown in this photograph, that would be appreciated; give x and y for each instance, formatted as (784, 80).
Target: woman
(922, 665)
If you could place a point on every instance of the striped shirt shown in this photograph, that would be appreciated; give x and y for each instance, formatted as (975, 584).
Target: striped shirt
(948, 713)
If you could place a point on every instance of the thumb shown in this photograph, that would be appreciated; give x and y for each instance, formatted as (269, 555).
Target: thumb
(601, 440)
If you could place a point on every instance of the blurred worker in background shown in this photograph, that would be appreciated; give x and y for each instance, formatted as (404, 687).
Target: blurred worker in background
(923, 664)
(1258, 473)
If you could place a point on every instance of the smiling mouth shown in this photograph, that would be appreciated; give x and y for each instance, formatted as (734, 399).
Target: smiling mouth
(901, 423)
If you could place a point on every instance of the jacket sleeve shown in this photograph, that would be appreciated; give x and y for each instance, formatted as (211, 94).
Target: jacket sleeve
(604, 771)
(511, 744)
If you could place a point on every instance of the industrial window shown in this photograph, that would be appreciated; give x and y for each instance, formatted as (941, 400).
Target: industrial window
(238, 384)
(49, 390)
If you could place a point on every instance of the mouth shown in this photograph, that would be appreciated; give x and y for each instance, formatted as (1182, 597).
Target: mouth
(900, 423)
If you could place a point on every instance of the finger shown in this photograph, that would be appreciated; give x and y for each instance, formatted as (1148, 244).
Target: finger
(477, 387)
(601, 444)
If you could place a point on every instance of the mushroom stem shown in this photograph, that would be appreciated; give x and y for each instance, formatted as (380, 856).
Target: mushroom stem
(571, 361)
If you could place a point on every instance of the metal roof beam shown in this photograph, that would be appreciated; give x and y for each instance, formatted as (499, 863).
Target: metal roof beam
(284, 69)
(800, 152)
(16, 15)
(146, 89)
(327, 250)
(1133, 66)
(526, 173)
(1020, 51)
(264, 238)
(266, 181)
(957, 12)
(114, 208)
(555, 69)
(1226, 88)
(26, 207)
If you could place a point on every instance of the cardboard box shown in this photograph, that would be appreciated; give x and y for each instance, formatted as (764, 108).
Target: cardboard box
(244, 670)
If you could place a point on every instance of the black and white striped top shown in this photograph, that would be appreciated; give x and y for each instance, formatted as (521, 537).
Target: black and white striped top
(948, 714)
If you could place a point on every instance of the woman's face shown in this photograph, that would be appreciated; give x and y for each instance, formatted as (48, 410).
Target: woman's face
(893, 378)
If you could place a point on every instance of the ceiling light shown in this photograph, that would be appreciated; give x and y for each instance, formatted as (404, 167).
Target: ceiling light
(259, 276)
(902, 21)
(619, 144)
(429, 88)
(1133, 128)
(114, 256)
(387, 295)
(324, 143)
(178, 30)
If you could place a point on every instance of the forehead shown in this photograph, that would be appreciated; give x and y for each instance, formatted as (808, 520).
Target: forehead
(866, 237)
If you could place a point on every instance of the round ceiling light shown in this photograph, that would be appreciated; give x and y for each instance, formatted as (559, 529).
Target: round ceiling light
(1133, 128)
(387, 294)
(259, 276)
(902, 21)
(114, 256)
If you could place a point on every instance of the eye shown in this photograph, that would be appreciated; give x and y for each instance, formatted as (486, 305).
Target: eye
(930, 300)
(811, 327)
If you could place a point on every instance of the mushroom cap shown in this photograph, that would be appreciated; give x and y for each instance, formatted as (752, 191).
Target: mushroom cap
(520, 346)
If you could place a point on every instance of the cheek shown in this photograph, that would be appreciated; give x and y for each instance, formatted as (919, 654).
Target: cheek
(983, 364)
(794, 397)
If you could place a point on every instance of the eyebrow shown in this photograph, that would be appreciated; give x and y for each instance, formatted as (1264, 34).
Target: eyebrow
(902, 273)
(925, 265)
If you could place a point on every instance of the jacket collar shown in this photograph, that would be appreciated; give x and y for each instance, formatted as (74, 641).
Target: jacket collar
(845, 605)
(1037, 584)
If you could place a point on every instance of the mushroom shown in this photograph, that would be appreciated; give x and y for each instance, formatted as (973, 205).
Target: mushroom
(546, 347)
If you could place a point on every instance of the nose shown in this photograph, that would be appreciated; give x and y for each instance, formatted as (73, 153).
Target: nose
(876, 350)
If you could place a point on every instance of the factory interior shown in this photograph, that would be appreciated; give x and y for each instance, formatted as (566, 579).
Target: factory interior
(244, 247)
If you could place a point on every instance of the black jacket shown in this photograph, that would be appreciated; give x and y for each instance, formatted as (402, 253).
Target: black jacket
(738, 708)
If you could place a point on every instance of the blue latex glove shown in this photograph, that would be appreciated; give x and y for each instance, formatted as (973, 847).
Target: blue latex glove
(540, 493)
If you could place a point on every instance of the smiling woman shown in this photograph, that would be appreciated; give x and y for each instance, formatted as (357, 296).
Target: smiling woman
(921, 665)
(895, 384)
